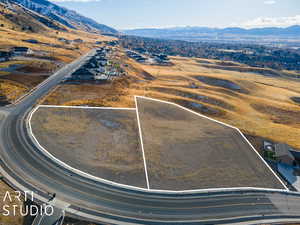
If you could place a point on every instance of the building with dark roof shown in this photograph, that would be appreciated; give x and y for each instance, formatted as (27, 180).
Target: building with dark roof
(4, 56)
(283, 154)
(20, 51)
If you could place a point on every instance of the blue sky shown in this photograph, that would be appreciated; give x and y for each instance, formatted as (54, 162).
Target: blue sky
(123, 14)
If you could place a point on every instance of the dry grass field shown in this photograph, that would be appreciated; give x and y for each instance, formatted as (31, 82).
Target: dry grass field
(261, 106)
(101, 142)
(180, 147)
(9, 220)
(12, 90)
(184, 151)
(20, 75)
(49, 53)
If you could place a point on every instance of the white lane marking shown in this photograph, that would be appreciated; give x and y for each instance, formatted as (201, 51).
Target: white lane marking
(63, 217)
(40, 217)
(142, 143)
(227, 125)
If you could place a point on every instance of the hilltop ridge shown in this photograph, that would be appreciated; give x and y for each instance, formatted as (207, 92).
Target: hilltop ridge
(57, 14)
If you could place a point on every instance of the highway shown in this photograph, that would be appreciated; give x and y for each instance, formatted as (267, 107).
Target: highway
(25, 167)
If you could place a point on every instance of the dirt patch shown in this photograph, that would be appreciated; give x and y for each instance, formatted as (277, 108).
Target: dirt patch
(31, 69)
(26, 80)
(185, 151)
(101, 142)
(42, 67)
(106, 94)
(260, 71)
(174, 78)
(10, 91)
(279, 115)
(296, 99)
(201, 108)
(220, 83)
(204, 61)
(226, 63)
(194, 96)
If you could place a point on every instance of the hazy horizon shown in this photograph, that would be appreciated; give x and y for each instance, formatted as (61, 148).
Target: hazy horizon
(134, 14)
(174, 27)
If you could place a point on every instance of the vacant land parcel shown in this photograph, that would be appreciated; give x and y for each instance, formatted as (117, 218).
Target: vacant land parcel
(101, 142)
(181, 150)
(186, 151)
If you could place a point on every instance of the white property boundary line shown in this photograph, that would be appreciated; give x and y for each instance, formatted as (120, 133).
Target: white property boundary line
(84, 107)
(142, 142)
(33, 138)
(31, 135)
(224, 124)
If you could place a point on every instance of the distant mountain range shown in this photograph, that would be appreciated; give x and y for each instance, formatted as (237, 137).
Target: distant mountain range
(61, 15)
(206, 32)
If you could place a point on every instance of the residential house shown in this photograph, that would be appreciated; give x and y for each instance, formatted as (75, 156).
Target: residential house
(19, 51)
(283, 154)
(113, 43)
(268, 146)
(101, 77)
(296, 154)
(64, 40)
(4, 56)
(78, 41)
(31, 41)
(287, 161)
(83, 75)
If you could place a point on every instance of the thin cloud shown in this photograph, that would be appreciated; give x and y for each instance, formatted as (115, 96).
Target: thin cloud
(272, 22)
(270, 2)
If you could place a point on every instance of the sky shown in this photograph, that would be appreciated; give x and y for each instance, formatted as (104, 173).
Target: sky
(129, 14)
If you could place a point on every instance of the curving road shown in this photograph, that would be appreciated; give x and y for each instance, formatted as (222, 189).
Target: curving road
(26, 168)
